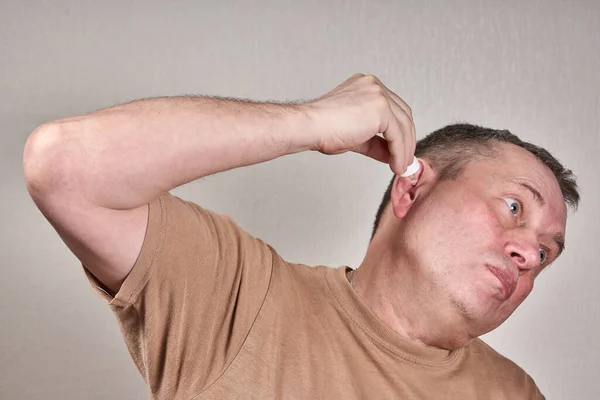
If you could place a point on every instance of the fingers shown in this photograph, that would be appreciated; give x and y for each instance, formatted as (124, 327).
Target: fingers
(397, 100)
(401, 132)
(396, 125)
(411, 146)
(375, 148)
(392, 130)
(406, 140)
(398, 130)
(407, 111)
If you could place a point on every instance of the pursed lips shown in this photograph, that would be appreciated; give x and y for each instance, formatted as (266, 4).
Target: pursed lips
(506, 278)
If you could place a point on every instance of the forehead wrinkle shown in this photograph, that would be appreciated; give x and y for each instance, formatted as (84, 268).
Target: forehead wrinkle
(537, 196)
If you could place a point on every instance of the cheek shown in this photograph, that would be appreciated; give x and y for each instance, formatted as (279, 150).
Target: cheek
(490, 226)
(462, 227)
(477, 225)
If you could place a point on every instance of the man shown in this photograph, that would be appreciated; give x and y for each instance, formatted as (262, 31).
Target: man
(210, 312)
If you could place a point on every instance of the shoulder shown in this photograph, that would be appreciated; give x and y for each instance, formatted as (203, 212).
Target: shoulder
(502, 370)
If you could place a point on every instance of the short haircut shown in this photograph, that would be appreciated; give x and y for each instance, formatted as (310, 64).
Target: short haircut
(450, 149)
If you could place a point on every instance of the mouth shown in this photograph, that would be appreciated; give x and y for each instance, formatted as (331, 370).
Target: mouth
(506, 278)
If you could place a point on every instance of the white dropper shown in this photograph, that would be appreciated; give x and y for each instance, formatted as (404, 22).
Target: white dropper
(411, 171)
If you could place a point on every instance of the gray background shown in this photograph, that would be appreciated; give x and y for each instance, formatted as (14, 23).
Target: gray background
(529, 66)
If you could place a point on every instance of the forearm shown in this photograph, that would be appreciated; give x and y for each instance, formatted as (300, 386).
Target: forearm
(126, 156)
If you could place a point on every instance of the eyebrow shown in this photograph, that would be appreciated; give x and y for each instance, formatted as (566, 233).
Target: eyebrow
(559, 238)
(536, 194)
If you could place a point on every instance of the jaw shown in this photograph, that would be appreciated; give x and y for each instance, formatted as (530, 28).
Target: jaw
(477, 312)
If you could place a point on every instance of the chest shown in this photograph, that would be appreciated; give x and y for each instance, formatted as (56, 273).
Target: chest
(299, 352)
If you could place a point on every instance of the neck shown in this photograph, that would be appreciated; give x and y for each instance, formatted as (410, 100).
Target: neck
(407, 303)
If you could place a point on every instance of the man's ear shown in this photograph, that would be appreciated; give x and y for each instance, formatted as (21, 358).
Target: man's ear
(404, 192)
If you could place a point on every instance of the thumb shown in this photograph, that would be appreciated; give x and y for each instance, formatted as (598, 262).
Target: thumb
(375, 148)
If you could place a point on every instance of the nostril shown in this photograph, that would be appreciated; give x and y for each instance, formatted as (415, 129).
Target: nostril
(516, 256)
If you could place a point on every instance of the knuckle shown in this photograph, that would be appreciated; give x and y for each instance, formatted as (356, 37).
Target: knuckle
(357, 78)
(379, 91)
(380, 101)
(371, 80)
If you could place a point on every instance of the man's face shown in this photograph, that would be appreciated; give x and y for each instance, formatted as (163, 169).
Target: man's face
(482, 239)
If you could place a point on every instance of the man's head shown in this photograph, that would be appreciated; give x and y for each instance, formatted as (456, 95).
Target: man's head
(486, 216)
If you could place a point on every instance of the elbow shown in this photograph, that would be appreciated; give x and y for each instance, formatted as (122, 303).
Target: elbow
(42, 159)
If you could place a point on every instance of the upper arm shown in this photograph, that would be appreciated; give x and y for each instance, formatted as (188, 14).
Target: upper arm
(186, 283)
(106, 241)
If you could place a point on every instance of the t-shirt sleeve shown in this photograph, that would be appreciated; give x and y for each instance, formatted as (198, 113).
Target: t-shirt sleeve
(192, 296)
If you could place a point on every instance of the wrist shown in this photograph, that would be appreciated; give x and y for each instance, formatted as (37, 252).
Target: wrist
(297, 124)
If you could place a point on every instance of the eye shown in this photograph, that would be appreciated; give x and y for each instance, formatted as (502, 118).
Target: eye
(513, 205)
(543, 256)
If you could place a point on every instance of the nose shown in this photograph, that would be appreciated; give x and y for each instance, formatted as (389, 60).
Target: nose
(523, 250)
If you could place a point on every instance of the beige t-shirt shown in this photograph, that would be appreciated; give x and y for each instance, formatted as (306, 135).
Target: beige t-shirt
(211, 312)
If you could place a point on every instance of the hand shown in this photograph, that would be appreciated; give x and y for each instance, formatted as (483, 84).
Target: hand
(350, 117)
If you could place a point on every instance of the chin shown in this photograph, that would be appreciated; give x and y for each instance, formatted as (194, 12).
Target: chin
(481, 312)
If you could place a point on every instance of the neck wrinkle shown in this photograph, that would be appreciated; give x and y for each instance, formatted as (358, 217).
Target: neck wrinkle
(380, 332)
(392, 293)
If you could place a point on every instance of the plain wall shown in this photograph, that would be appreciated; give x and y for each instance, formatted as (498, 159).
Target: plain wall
(528, 66)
